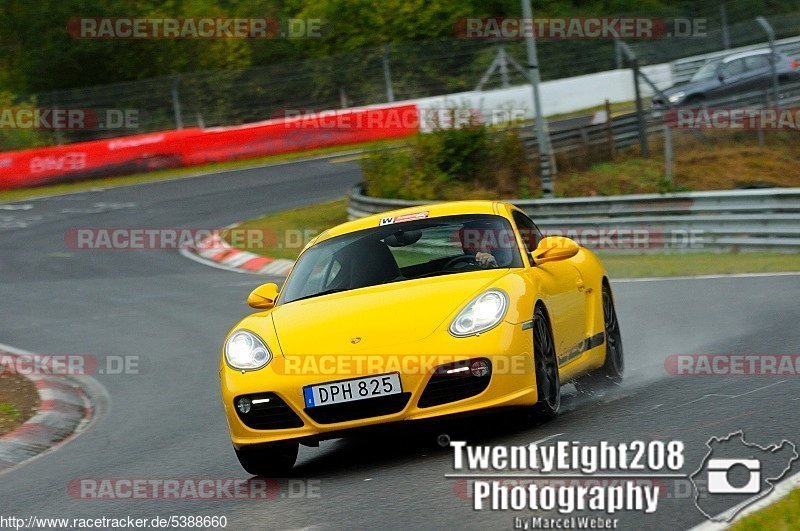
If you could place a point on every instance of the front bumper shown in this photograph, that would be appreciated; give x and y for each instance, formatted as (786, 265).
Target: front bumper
(509, 348)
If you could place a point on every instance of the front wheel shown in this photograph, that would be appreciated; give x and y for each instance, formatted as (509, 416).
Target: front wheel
(610, 374)
(268, 460)
(548, 382)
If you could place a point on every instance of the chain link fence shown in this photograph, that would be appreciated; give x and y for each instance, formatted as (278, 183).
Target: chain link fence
(717, 38)
(388, 73)
(412, 69)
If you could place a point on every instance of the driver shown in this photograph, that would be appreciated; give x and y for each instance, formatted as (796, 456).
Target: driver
(484, 242)
(485, 259)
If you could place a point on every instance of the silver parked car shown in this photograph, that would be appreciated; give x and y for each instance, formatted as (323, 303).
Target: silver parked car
(731, 75)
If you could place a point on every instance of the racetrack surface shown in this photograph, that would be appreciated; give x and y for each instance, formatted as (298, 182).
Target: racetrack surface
(168, 422)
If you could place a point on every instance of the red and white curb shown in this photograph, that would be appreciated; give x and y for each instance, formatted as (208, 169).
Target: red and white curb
(68, 405)
(216, 252)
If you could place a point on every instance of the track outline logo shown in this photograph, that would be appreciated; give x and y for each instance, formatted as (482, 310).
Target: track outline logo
(716, 475)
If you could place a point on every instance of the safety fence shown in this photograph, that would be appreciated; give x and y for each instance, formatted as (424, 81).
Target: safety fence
(197, 144)
(400, 71)
(716, 220)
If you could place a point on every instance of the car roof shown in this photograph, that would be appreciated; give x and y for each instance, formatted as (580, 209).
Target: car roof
(749, 53)
(431, 210)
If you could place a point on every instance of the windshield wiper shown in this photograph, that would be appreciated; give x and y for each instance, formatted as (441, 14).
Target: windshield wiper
(325, 292)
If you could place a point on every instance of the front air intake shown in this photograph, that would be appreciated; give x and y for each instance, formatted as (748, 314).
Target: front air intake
(266, 411)
(456, 381)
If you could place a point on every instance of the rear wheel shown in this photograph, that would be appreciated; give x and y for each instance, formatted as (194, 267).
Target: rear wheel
(275, 459)
(548, 382)
(610, 374)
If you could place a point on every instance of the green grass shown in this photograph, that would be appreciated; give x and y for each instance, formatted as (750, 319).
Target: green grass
(783, 515)
(8, 413)
(287, 232)
(283, 230)
(160, 175)
(669, 265)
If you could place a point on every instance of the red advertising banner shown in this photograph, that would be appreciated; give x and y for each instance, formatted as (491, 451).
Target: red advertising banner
(189, 147)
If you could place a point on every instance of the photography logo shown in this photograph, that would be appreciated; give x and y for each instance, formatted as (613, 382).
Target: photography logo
(735, 473)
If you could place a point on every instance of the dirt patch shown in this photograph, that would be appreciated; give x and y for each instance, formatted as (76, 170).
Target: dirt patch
(19, 401)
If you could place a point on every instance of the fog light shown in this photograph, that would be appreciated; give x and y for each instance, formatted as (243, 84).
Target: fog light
(479, 368)
(243, 405)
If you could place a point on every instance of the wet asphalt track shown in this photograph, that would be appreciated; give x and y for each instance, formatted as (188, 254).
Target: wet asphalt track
(168, 423)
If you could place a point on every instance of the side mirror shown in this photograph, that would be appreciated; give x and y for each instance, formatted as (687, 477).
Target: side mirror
(553, 249)
(263, 297)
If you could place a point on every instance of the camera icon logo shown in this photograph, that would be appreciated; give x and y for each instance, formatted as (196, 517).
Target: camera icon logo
(719, 483)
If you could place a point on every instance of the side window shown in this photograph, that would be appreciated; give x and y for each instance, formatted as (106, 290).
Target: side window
(756, 62)
(333, 273)
(734, 68)
(528, 230)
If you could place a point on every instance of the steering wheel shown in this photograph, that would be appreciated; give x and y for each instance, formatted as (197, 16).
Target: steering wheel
(465, 260)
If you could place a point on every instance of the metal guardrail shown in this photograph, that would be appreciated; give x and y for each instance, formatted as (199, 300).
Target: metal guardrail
(719, 220)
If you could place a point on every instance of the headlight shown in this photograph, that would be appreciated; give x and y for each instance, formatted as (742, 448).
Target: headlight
(675, 98)
(245, 350)
(482, 313)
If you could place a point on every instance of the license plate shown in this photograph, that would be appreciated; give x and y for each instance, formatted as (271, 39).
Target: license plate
(351, 390)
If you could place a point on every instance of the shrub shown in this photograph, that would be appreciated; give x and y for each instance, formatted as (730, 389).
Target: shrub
(19, 138)
(450, 163)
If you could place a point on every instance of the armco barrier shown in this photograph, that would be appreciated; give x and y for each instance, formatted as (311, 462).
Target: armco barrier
(723, 220)
(189, 147)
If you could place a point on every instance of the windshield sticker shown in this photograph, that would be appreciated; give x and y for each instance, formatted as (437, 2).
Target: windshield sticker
(405, 217)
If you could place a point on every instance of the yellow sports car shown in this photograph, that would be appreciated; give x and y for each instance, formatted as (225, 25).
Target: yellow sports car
(414, 314)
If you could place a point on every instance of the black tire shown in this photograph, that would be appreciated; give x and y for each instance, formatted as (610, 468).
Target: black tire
(548, 382)
(268, 460)
(610, 374)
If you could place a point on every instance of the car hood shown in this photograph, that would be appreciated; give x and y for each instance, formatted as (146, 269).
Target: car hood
(380, 316)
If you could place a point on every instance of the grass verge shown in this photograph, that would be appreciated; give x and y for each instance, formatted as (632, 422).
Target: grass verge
(8, 412)
(783, 515)
(721, 164)
(670, 265)
(176, 173)
(287, 232)
(18, 401)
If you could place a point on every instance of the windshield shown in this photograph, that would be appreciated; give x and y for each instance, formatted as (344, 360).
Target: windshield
(706, 72)
(403, 251)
